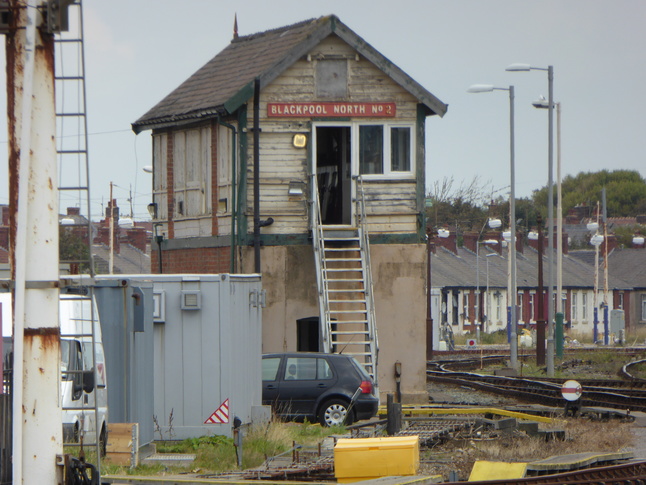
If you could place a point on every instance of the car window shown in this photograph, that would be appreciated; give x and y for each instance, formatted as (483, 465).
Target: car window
(270, 368)
(323, 369)
(300, 368)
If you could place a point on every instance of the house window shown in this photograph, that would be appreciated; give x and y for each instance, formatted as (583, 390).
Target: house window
(385, 149)
(498, 297)
(400, 149)
(621, 301)
(532, 305)
(371, 146)
(584, 307)
(573, 308)
(643, 308)
(465, 305)
(519, 308)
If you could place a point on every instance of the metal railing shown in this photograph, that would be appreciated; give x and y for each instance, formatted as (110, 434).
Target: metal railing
(321, 269)
(362, 225)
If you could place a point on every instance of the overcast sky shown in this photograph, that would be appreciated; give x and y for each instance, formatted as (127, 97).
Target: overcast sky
(138, 51)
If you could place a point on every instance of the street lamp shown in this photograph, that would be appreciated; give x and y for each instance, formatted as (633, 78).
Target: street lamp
(493, 223)
(487, 303)
(543, 104)
(550, 207)
(484, 88)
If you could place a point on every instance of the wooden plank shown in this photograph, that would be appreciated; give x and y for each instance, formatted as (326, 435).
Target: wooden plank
(123, 444)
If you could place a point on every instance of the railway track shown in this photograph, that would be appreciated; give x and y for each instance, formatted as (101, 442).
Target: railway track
(624, 474)
(628, 394)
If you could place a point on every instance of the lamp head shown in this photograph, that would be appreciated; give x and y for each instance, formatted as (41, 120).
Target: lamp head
(152, 210)
(494, 223)
(480, 88)
(518, 67)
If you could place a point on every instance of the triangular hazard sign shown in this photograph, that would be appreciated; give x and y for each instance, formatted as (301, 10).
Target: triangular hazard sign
(220, 415)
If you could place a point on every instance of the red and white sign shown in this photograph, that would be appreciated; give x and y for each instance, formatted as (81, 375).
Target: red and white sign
(331, 110)
(571, 390)
(471, 343)
(220, 415)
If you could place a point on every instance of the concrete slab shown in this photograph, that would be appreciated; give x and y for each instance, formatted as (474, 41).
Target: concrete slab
(575, 461)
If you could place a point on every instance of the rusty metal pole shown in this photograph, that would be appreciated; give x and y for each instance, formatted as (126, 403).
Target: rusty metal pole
(37, 426)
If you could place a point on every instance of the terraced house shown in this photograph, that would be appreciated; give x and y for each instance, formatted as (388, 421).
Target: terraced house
(299, 153)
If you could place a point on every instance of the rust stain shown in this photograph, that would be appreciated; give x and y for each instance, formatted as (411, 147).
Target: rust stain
(49, 337)
(41, 370)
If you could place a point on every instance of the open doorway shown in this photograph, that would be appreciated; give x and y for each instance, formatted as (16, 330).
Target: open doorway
(334, 174)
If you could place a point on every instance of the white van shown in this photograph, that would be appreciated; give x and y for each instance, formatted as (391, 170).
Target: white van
(83, 373)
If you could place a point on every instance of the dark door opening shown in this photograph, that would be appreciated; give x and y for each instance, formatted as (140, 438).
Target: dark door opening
(307, 334)
(333, 171)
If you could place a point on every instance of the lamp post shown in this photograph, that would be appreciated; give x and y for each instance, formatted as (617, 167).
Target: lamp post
(487, 304)
(513, 343)
(550, 208)
(596, 240)
(493, 224)
(543, 104)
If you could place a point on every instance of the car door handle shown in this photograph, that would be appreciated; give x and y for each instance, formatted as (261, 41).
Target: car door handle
(322, 386)
(270, 386)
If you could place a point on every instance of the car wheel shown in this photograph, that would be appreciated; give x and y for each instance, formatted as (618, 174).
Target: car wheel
(335, 413)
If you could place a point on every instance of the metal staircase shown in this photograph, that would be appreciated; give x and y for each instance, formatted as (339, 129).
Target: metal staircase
(74, 191)
(344, 279)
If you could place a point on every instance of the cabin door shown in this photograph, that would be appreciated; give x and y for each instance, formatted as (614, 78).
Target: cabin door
(334, 174)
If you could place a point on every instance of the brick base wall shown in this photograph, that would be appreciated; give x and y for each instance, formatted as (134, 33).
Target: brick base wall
(195, 260)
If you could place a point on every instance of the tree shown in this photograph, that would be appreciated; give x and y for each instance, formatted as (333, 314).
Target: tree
(625, 192)
(73, 247)
(462, 207)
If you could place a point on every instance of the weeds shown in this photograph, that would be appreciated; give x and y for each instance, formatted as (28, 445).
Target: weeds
(581, 436)
(218, 454)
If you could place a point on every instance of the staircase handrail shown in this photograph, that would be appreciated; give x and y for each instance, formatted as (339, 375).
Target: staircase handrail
(321, 279)
(362, 225)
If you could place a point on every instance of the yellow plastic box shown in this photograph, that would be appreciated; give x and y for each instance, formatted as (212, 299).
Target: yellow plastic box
(367, 458)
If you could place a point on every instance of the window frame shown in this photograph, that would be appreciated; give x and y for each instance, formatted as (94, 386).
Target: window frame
(386, 151)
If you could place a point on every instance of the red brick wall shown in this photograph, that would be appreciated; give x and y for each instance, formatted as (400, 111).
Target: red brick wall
(193, 260)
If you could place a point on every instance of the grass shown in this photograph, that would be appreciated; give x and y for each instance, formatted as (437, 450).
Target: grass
(217, 454)
(581, 436)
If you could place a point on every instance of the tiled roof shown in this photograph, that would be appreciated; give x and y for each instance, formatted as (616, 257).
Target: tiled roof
(629, 264)
(451, 270)
(128, 260)
(224, 83)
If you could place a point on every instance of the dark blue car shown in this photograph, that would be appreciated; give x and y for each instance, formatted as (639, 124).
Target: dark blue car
(318, 387)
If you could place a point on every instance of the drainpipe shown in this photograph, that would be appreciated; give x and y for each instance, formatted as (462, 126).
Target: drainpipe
(37, 423)
(256, 174)
(234, 206)
(257, 223)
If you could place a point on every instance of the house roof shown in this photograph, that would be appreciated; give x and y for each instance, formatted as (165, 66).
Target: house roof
(129, 260)
(629, 264)
(460, 270)
(226, 82)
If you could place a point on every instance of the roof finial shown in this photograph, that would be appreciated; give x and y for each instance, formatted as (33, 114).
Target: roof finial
(235, 26)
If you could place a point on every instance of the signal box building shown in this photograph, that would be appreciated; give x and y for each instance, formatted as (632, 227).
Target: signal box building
(299, 153)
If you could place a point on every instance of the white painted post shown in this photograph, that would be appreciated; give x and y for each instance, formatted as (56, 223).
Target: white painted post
(37, 426)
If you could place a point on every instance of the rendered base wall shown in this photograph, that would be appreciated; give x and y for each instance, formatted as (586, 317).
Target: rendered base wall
(399, 272)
